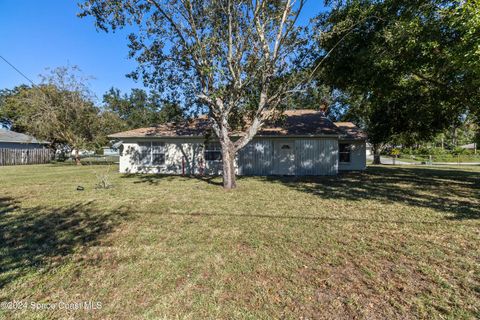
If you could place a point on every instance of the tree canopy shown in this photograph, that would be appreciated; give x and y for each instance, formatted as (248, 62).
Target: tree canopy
(407, 68)
(141, 109)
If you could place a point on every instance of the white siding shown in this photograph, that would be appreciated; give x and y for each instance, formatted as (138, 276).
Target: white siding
(180, 155)
(358, 157)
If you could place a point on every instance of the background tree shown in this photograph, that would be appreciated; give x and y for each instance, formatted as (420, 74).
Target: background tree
(140, 109)
(59, 110)
(225, 55)
(10, 114)
(414, 65)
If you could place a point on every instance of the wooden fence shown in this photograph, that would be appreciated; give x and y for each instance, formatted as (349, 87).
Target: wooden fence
(10, 157)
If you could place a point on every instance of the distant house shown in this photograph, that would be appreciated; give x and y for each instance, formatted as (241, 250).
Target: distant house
(304, 142)
(14, 140)
(470, 146)
(19, 149)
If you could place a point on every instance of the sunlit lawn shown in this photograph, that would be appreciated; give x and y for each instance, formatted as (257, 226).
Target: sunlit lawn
(394, 242)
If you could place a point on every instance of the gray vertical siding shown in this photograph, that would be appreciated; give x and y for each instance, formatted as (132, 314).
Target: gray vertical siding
(316, 157)
(312, 157)
(256, 158)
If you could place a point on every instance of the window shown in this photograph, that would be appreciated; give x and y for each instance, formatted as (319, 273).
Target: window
(213, 152)
(345, 150)
(152, 153)
(158, 153)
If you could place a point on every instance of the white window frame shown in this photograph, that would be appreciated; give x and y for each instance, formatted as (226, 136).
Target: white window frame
(150, 149)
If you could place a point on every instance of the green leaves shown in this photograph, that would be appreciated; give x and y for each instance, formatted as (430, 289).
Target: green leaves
(413, 66)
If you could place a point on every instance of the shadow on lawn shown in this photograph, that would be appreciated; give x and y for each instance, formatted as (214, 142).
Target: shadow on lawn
(452, 191)
(155, 179)
(444, 190)
(7, 204)
(34, 239)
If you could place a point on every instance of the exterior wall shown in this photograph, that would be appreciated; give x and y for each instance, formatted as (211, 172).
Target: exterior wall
(257, 158)
(316, 157)
(14, 145)
(358, 157)
(310, 156)
(180, 155)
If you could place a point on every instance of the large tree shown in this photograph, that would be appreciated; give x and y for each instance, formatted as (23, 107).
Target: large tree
(226, 55)
(409, 68)
(59, 110)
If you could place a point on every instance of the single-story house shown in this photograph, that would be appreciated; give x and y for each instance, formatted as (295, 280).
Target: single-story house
(15, 140)
(302, 142)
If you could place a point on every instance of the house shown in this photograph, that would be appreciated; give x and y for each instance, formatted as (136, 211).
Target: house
(14, 140)
(18, 148)
(470, 146)
(301, 142)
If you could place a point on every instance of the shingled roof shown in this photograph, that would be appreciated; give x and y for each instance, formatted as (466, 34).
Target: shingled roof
(16, 137)
(293, 123)
(351, 131)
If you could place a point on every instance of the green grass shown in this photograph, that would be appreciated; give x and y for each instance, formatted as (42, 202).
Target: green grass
(442, 158)
(394, 242)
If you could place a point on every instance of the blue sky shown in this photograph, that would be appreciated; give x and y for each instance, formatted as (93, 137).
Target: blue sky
(35, 35)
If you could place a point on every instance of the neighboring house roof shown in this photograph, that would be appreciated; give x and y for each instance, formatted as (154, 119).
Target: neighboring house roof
(293, 123)
(351, 131)
(16, 137)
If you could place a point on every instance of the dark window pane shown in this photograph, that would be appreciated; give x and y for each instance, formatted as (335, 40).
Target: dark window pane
(158, 159)
(345, 157)
(344, 152)
(344, 147)
(213, 155)
(158, 147)
(213, 152)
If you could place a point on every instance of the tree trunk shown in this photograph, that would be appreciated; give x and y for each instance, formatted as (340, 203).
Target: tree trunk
(228, 158)
(376, 154)
(77, 158)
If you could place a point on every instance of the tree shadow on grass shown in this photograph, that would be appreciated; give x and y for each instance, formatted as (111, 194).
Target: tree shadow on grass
(8, 204)
(451, 191)
(445, 190)
(33, 238)
(156, 179)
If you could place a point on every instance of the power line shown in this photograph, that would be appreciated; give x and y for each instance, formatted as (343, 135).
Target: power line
(20, 72)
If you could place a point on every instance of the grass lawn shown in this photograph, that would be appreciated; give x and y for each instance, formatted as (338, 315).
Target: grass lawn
(394, 242)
